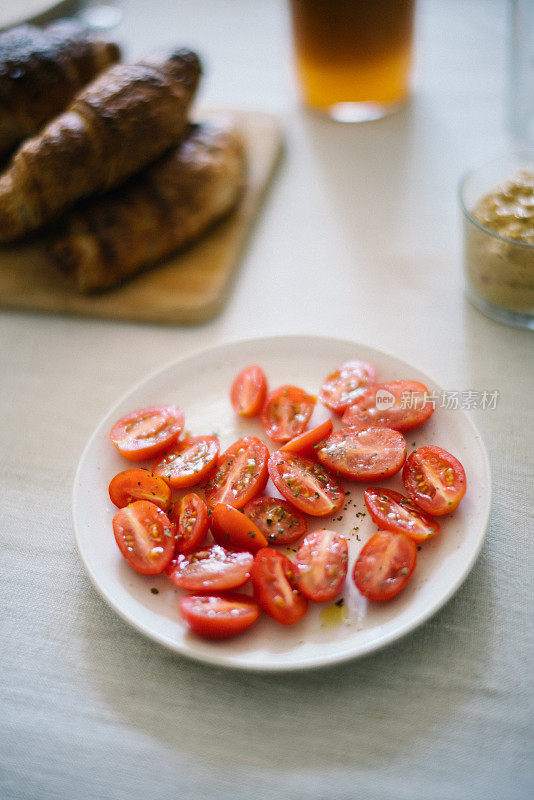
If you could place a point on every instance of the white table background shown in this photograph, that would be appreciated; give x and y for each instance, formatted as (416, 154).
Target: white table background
(359, 238)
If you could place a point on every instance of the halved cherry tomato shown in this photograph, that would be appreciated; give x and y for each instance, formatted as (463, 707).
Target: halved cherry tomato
(385, 565)
(248, 391)
(321, 565)
(392, 511)
(191, 522)
(348, 382)
(286, 412)
(305, 442)
(242, 474)
(147, 432)
(366, 455)
(189, 462)
(139, 484)
(434, 479)
(273, 578)
(231, 528)
(143, 533)
(277, 519)
(307, 485)
(219, 617)
(400, 405)
(213, 569)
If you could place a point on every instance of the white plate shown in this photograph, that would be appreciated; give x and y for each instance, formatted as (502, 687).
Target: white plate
(200, 385)
(15, 12)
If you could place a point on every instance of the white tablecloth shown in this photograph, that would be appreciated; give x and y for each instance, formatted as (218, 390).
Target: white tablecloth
(359, 238)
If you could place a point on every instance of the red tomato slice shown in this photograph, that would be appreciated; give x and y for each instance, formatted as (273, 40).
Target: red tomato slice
(321, 565)
(287, 412)
(305, 442)
(434, 479)
(231, 528)
(366, 455)
(143, 533)
(392, 511)
(139, 484)
(274, 581)
(248, 392)
(279, 522)
(346, 384)
(213, 569)
(219, 617)
(148, 432)
(306, 484)
(385, 565)
(242, 474)
(191, 522)
(189, 462)
(400, 405)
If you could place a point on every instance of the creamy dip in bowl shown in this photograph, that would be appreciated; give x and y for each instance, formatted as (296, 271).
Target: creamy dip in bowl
(497, 202)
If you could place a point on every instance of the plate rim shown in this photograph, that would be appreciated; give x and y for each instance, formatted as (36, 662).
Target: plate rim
(220, 660)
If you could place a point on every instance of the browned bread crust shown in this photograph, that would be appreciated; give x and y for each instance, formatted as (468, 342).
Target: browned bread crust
(128, 117)
(41, 71)
(159, 211)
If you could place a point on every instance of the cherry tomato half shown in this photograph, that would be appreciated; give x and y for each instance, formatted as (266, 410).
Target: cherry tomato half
(307, 485)
(348, 382)
(392, 511)
(274, 581)
(231, 528)
(213, 569)
(189, 462)
(248, 391)
(139, 484)
(143, 533)
(286, 412)
(400, 405)
(277, 519)
(147, 432)
(241, 475)
(363, 455)
(321, 565)
(305, 442)
(385, 565)
(219, 617)
(434, 479)
(190, 518)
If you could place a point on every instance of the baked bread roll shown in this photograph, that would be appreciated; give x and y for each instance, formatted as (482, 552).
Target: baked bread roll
(163, 209)
(124, 120)
(41, 71)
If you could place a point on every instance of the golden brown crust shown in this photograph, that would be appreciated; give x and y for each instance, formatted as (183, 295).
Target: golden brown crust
(120, 123)
(159, 211)
(41, 71)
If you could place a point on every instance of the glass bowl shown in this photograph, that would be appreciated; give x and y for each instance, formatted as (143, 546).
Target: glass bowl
(499, 269)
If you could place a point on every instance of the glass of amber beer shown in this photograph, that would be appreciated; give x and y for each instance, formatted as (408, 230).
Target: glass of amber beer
(353, 57)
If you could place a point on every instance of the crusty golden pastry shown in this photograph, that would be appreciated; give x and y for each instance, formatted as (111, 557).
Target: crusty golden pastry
(41, 71)
(164, 208)
(128, 117)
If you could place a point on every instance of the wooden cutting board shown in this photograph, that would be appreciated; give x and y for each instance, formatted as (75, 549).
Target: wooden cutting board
(189, 287)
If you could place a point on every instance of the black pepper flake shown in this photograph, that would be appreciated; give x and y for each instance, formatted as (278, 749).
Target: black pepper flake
(154, 590)
(419, 547)
(339, 602)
